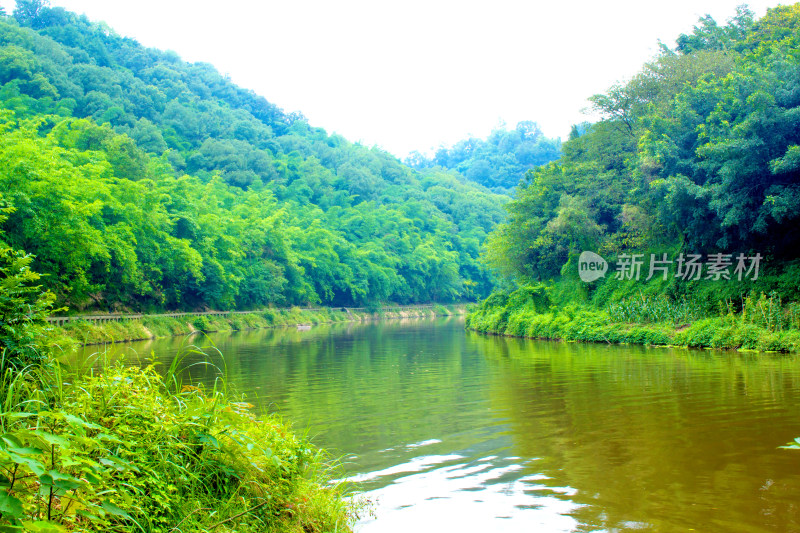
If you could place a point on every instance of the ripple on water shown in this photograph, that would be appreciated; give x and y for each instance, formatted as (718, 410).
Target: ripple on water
(466, 492)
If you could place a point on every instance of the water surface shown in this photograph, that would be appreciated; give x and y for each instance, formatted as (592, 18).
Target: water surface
(451, 430)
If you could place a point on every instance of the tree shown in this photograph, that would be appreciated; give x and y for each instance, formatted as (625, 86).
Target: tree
(28, 12)
(498, 162)
(711, 36)
(23, 305)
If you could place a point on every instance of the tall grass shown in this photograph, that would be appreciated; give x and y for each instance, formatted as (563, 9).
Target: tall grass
(129, 449)
(759, 322)
(659, 309)
(768, 312)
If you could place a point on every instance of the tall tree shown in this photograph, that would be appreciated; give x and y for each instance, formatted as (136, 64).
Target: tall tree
(28, 12)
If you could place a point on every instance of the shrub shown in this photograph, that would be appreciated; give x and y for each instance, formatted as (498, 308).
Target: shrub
(23, 309)
(121, 452)
(201, 323)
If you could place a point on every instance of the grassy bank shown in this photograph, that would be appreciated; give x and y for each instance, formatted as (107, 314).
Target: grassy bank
(135, 450)
(128, 450)
(82, 332)
(767, 326)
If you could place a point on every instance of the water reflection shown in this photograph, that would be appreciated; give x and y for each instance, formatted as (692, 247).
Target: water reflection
(453, 430)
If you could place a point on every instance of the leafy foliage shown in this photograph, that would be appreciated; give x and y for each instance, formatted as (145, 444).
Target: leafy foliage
(660, 323)
(142, 182)
(660, 309)
(696, 153)
(500, 161)
(122, 452)
(23, 306)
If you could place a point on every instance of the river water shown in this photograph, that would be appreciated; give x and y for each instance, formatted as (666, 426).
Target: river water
(448, 430)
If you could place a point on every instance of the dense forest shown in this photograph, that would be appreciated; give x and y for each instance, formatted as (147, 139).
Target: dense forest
(139, 181)
(498, 162)
(697, 159)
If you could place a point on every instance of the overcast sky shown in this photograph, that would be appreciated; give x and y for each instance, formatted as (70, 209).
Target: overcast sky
(415, 74)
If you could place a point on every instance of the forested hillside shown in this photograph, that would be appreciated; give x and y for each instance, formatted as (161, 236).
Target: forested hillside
(498, 162)
(697, 158)
(140, 181)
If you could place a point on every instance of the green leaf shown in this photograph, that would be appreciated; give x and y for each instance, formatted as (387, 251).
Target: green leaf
(77, 421)
(120, 465)
(46, 437)
(92, 478)
(16, 416)
(113, 509)
(205, 438)
(49, 438)
(87, 514)
(37, 467)
(109, 438)
(13, 444)
(26, 451)
(9, 505)
(60, 480)
(44, 527)
(10, 440)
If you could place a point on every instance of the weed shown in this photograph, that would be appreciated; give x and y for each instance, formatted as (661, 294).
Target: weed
(128, 450)
(659, 309)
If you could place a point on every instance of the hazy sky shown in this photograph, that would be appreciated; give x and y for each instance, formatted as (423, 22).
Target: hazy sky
(414, 74)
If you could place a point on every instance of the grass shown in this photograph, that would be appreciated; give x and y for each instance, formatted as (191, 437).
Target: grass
(128, 450)
(658, 309)
(81, 332)
(761, 323)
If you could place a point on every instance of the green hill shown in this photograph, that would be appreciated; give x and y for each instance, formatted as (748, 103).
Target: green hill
(697, 160)
(140, 181)
(498, 162)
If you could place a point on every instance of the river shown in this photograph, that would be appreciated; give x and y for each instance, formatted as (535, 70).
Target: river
(448, 430)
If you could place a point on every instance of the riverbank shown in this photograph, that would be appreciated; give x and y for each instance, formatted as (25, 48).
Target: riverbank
(84, 332)
(591, 325)
(130, 450)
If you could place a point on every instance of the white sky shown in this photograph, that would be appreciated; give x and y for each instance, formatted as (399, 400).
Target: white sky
(415, 74)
